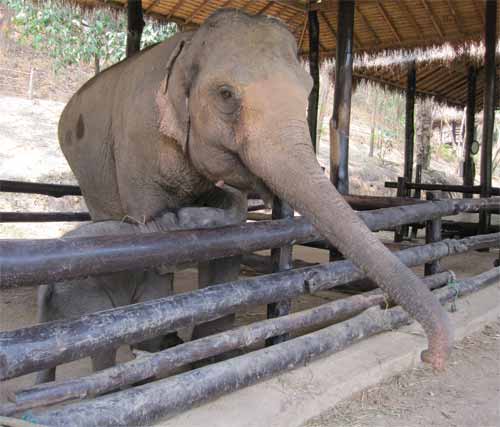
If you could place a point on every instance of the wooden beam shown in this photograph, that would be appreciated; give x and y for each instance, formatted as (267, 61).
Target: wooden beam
(388, 20)
(428, 8)
(301, 40)
(293, 4)
(293, 17)
(174, 9)
(196, 11)
(456, 17)
(367, 24)
(341, 116)
(246, 5)
(153, 4)
(266, 7)
(479, 10)
(330, 27)
(411, 19)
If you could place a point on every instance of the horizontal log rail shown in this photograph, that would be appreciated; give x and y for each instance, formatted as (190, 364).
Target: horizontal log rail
(60, 190)
(33, 262)
(50, 344)
(43, 216)
(149, 402)
(164, 362)
(467, 189)
(53, 190)
(7, 217)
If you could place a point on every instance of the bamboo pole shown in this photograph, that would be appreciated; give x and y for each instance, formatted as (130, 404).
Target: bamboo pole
(50, 344)
(147, 403)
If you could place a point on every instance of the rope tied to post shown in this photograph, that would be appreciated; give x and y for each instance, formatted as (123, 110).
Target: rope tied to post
(452, 283)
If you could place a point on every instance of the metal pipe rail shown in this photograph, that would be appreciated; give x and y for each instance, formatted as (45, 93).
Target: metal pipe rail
(467, 189)
(34, 262)
(50, 344)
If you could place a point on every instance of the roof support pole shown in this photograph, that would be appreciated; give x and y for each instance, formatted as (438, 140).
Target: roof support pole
(339, 123)
(411, 85)
(469, 128)
(135, 25)
(490, 33)
(312, 109)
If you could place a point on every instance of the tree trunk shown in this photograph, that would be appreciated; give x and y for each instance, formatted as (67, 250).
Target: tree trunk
(424, 132)
(374, 122)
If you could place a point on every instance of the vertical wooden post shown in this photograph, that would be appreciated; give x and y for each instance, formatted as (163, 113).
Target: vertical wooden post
(401, 192)
(417, 195)
(339, 123)
(432, 234)
(469, 128)
(135, 25)
(490, 37)
(411, 85)
(312, 109)
(281, 259)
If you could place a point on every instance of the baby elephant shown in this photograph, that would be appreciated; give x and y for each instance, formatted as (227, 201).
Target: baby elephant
(75, 298)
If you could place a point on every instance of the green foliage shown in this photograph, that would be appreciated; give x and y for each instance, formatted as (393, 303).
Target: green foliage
(72, 35)
(446, 152)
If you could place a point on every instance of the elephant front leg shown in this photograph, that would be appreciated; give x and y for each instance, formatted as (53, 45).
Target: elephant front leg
(212, 273)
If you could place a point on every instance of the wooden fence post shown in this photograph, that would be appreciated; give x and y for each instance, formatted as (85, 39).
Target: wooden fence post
(282, 260)
(401, 192)
(432, 235)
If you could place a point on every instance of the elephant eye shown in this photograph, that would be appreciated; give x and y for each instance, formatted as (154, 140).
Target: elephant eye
(225, 93)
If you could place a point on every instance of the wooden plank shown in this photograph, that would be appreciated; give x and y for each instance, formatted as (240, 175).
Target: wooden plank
(389, 21)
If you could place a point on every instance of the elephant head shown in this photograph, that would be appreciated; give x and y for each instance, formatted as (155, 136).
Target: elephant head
(235, 98)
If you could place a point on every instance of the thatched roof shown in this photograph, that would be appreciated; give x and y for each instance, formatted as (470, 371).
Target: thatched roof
(444, 77)
(379, 24)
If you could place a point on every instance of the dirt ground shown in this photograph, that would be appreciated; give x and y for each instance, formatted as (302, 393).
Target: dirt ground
(466, 395)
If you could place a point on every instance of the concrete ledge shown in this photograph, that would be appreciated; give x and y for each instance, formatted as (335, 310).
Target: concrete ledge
(290, 399)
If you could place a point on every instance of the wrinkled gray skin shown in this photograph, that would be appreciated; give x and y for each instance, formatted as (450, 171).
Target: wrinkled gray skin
(83, 296)
(226, 102)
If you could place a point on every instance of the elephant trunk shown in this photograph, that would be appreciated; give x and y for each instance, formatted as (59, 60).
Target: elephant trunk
(288, 166)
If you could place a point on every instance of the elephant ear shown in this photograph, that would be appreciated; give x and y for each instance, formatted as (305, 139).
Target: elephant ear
(173, 97)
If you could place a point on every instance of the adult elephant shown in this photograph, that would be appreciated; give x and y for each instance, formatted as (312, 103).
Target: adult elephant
(224, 103)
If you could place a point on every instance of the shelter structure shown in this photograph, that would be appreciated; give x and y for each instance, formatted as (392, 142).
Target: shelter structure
(322, 28)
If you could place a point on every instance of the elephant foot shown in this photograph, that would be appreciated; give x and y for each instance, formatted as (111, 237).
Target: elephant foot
(438, 352)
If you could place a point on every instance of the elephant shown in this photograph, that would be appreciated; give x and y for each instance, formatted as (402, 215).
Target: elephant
(78, 297)
(225, 103)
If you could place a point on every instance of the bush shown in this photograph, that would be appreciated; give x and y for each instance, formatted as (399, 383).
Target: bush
(73, 35)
